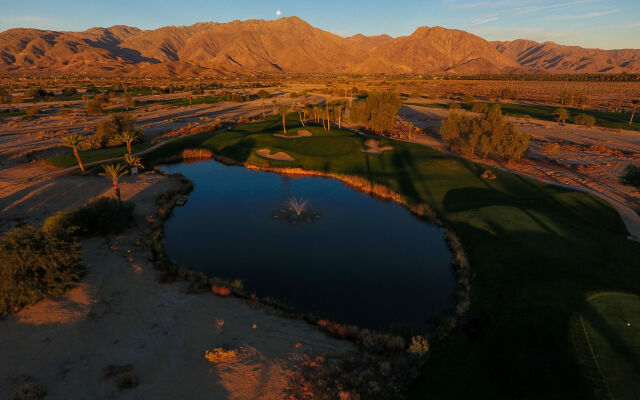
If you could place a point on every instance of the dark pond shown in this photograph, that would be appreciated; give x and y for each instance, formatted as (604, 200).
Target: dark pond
(360, 261)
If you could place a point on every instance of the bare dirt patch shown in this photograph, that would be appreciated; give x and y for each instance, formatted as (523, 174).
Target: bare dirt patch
(279, 156)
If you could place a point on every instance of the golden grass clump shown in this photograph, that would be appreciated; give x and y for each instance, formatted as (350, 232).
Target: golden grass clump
(220, 355)
(190, 154)
(222, 291)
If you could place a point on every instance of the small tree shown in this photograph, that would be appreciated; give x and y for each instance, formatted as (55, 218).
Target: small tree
(114, 172)
(635, 103)
(263, 94)
(585, 119)
(129, 101)
(74, 141)
(283, 111)
(128, 136)
(133, 162)
(32, 112)
(94, 107)
(561, 114)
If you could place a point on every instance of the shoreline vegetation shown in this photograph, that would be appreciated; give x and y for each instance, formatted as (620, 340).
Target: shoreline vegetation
(510, 226)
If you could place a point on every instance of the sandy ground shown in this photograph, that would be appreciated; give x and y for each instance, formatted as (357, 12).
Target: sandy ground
(121, 315)
(279, 156)
(299, 134)
(373, 147)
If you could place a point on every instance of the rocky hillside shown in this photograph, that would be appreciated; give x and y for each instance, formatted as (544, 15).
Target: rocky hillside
(288, 45)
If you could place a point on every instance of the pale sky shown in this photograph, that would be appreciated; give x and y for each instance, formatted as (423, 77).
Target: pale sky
(605, 24)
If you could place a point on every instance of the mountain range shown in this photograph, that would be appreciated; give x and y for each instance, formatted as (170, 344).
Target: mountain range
(289, 45)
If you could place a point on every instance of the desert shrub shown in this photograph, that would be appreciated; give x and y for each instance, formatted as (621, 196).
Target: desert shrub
(35, 264)
(433, 96)
(551, 148)
(100, 216)
(480, 108)
(69, 91)
(94, 107)
(419, 346)
(28, 391)
(127, 381)
(469, 98)
(631, 175)
(415, 94)
(454, 106)
(584, 119)
(237, 98)
(32, 112)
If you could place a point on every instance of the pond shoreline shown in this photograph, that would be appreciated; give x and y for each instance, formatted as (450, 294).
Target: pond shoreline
(459, 262)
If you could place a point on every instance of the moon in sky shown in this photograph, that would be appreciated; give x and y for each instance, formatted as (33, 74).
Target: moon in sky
(278, 13)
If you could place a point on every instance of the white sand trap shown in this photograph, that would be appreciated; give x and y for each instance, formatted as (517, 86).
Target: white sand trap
(373, 147)
(300, 133)
(279, 156)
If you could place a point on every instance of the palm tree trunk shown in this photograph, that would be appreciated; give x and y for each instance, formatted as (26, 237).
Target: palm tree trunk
(116, 189)
(284, 124)
(129, 147)
(633, 114)
(77, 154)
(263, 114)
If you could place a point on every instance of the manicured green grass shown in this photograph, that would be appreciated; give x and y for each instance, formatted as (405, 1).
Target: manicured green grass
(603, 118)
(610, 323)
(67, 159)
(537, 252)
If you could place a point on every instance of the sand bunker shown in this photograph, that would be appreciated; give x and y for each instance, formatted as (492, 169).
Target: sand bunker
(373, 147)
(299, 134)
(279, 156)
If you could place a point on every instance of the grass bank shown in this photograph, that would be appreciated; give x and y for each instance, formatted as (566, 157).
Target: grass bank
(67, 159)
(545, 113)
(537, 252)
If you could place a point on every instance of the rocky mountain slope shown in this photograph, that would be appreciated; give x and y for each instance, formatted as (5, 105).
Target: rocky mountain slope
(288, 45)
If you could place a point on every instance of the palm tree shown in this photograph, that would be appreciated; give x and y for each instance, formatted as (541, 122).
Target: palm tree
(635, 103)
(73, 141)
(133, 161)
(283, 111)
(275, 103)
(263, 94)
(127, 136)
(114, 172)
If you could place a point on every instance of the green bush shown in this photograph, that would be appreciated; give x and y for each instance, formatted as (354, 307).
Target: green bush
(35, 264)
(584, 119)
(631, 175)
(100, 216)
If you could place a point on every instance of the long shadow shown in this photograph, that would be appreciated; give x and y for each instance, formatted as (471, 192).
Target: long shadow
(612, 337)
